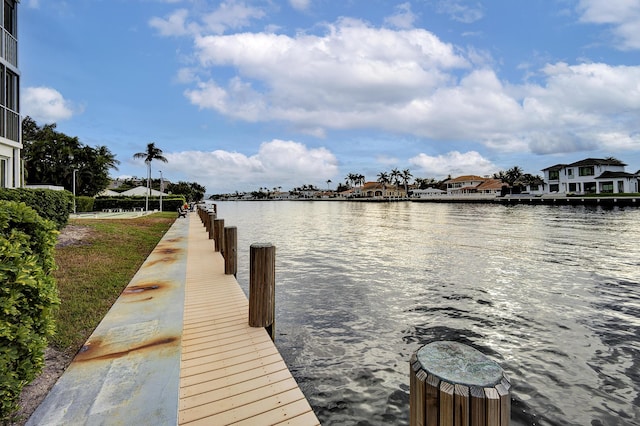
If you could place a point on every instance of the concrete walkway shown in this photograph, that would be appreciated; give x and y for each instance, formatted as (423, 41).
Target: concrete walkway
(129, 371)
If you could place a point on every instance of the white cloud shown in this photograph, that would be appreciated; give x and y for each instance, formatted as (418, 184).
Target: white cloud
(173, 25)
(622, 15)
(277, 163)
(403, 18)
(355, 76)
(342, 79)
(453, 163)
(461, 12)
(230, 14)
(45, 105)
(300, 4)
(186, 75)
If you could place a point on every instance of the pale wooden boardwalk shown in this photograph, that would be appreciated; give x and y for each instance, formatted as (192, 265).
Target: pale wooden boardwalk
(230, 373)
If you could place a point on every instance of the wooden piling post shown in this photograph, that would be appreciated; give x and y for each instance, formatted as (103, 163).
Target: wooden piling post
(454, 384)
(204, 217)
(211, 216)
(218, 234)
(262, 287)
(230, 250)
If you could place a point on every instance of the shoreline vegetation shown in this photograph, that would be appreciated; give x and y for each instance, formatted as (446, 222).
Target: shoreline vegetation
(96, 259)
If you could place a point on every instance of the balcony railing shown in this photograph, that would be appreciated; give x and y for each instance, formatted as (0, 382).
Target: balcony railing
(10, 48)
(9, 124)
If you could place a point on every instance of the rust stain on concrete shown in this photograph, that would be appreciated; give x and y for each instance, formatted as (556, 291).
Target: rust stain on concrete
(86, 352)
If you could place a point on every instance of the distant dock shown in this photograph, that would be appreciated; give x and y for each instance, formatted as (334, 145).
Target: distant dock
(605, 201)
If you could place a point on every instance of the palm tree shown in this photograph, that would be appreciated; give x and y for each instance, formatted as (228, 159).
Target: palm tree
(351, 179)
(406, 175)
(383, 178)
(152, 153)
(614, 161)
(395, 177)
(513, 174)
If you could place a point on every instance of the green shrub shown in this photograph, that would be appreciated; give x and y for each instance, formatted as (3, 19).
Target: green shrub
(28, 297)
(84, 204)
(129, 203)
(49, 204)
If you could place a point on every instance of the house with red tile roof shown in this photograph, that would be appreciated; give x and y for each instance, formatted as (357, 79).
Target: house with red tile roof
(474, 185)
(379, 190)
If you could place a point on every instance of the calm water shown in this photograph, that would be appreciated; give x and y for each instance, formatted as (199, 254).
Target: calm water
(550, 293)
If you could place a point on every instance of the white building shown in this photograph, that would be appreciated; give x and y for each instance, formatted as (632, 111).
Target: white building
(427, 193)
(10, 124)
(590, 176)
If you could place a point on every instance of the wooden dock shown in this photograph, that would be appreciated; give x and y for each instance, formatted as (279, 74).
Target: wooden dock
(230, 373)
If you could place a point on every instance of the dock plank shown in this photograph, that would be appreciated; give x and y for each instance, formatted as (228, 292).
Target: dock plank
(230, 373)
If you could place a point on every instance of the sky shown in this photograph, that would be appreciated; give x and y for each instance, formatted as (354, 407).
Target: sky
(244, 94)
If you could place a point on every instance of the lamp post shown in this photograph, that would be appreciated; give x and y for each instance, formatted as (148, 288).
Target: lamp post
(73, 184)
(161, 189)
(74, 190)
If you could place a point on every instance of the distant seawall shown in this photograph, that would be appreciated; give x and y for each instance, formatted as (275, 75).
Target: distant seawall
(549, 201)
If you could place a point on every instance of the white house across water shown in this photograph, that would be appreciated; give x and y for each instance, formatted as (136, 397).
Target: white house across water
(591, 176)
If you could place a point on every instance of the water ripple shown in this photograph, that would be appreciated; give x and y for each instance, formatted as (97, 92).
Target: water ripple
(550, 293)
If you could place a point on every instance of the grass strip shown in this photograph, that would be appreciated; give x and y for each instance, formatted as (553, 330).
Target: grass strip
(93, 272)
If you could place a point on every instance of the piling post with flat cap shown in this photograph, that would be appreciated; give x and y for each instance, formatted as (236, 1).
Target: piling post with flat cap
(454, 384)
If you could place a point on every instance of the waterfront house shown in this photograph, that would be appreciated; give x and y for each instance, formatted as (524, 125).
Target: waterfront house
(475, 185)
(590, 176)
(533, 185)
(463, 184)
(491, 187)
(281, 195)
(426, 193)
(379, 190)
(10, 124)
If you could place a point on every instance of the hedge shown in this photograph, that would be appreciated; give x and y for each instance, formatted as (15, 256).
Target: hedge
(28, 297)
(49, 204)
(84, 204)
(129, 203)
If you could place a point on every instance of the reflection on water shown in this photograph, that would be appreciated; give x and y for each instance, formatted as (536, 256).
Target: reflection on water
(550, 293)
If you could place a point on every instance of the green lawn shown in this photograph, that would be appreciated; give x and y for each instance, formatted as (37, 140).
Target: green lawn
(92, 274)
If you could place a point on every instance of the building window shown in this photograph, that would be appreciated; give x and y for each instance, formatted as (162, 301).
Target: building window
(586, 171)
(11, 90)
(590, 187)
(606, 187)
(533, 187)
(554, 174)
(2, 88)
(554, 187)
(10, 17)
(3, 172)
(573, 187)
(620, 187)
